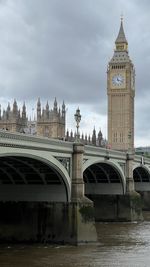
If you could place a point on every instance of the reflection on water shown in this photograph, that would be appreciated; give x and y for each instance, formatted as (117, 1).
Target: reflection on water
(120, 244)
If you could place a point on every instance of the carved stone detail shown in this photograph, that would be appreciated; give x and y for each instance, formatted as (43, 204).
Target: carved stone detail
(84, 160)
(65, 162)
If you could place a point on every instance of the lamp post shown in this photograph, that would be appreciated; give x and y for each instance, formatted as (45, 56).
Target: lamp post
(77, 117)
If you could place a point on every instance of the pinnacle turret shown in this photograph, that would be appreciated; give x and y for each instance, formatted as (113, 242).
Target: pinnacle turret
(100, 134)
(63, 106)
(63, 109)
(24, 111)
(15, 107)
(121, 35)
(121, 51)
(38, 109)
(55, 105)
(47, 107)
(121, 41)
(94, 137)
(8, 107)
(24, 107)
(38, 103)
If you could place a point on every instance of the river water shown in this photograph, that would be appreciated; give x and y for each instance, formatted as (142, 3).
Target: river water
(120, 244)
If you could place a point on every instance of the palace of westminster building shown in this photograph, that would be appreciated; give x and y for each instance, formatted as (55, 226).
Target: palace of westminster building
(51, 123)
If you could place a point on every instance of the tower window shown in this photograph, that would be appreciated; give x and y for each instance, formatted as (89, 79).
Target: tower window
(121, 137)
(115, 138)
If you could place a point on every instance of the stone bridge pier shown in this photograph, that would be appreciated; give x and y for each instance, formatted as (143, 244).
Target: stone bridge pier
(132, 202)
(82, 207)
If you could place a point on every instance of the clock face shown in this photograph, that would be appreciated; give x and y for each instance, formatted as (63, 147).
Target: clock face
(117, 79)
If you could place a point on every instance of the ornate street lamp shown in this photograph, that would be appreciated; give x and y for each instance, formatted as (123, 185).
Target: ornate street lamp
(77, 117)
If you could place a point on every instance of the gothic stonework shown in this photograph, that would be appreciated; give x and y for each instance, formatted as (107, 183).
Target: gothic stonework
(51, 123)
(94, 140)
(65, 162)
(120, 90)
(12, 120)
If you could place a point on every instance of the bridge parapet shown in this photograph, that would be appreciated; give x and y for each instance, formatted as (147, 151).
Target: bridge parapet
(92, 151)
(28, 141)
(142, 159)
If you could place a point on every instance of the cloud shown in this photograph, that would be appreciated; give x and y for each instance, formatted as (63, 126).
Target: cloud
(62, 48)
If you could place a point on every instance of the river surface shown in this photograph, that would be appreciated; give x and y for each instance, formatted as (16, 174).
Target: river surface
(120, 244)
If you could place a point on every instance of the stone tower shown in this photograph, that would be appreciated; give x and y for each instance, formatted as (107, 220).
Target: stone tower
(120, 90)
(12, 120)
(51, 123)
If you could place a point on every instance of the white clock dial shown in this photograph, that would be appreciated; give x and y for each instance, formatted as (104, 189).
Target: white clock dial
(117, 79)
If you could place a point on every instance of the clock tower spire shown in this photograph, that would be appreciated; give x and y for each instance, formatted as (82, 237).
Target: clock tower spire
(120, 91)
(121, 41)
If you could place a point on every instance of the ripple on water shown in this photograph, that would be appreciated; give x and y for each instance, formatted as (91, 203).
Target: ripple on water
(120, 244)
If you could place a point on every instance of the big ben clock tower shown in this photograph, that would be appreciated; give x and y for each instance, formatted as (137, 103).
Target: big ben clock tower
(120, 90)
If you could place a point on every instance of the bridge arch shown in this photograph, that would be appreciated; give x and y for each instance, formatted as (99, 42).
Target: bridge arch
(141, 176)
(103, 177)
(43, 186)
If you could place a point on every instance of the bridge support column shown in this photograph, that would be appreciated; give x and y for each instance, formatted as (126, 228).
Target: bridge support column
(129, 173)
(82, 208)
(145, 195)
(132, 204)
(77, 193)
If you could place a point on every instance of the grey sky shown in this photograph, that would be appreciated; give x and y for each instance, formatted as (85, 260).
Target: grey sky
(62, 47)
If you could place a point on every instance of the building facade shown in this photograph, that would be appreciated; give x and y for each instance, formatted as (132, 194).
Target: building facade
(51, 123)
(12, 119)
(121, 92)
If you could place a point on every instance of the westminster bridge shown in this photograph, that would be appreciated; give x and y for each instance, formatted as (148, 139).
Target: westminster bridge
(46, 183)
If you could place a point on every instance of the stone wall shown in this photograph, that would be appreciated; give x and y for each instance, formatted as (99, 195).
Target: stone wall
(46, 222)
(113, 208)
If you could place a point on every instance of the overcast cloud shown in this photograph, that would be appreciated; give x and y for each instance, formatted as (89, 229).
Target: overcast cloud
(61, 48)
